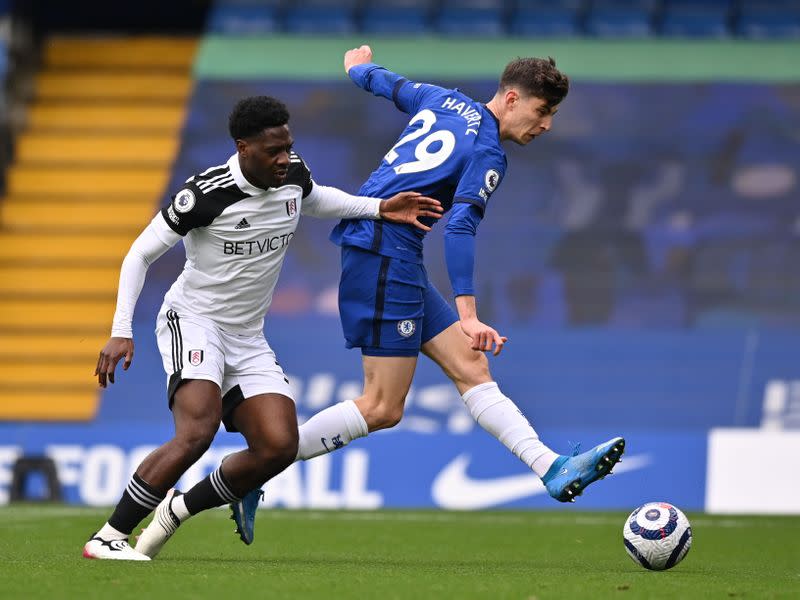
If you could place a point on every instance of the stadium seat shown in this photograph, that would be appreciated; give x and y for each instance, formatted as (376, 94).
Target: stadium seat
(727, 5)
(702, 18)
(121, 116)
(544, 18)
(3, 64)
(321, 16)
(243, 19)
(483, 18)
(106, 116)
(768, 19)
(620, 18)
(397, 16)
(116, 149)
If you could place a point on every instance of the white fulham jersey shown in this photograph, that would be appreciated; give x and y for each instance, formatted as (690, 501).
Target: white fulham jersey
(236, 236)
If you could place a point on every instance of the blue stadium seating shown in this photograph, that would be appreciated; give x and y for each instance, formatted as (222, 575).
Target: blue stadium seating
(397, 16)
(696, 18)
(471, 17)
(546, 18)
(244, 18)
(768, 19)
(321, 16)
(493, 18)
(727, 5)
(620, 18)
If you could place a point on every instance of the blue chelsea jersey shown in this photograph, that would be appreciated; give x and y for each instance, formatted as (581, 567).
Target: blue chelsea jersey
(450, 150)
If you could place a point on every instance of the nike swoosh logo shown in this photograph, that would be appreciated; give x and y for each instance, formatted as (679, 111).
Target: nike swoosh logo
(454, 489)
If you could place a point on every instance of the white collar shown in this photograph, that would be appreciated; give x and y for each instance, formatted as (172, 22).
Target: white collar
(239, 178)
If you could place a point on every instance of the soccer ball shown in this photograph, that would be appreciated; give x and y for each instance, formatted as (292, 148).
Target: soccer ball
(657, 536)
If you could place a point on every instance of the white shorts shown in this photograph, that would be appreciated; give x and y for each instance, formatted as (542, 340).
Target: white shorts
(194, 347)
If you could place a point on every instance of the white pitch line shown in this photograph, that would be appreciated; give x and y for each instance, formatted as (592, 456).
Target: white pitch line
(444, 517)
(12, 515)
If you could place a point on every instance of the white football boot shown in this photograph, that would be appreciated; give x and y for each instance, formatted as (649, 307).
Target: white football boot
(164, 524)
(111, 550)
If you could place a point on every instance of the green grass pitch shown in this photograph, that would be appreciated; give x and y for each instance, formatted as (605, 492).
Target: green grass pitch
(398, 554)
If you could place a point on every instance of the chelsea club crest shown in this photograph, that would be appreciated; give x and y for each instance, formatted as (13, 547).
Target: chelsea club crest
(406, 327)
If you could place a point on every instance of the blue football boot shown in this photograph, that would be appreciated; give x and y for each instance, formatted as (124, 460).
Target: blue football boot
(244, 515)
(570, 475)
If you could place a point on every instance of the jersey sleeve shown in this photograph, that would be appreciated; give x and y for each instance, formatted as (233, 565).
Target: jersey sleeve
(189, 208)
(328, 202)
(154, 241)
(479, 179)
(459, 247)
(408, 96)
(299, 174)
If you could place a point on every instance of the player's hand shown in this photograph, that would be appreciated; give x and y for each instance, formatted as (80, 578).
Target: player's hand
(110, 355)
(357, 56)
(408, 207)
(483, 337)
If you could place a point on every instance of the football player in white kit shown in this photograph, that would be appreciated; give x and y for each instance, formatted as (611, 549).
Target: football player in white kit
(236, 221)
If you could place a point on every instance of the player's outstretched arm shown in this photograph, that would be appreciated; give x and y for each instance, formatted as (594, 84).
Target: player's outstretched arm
(357, 56)
(382, 82)
(409, 207)
(483, 337)
(154, 241)
(115, 349)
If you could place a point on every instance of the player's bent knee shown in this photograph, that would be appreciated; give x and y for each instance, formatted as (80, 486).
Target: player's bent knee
(285, 451)
(193, 444)
(384, 417)
(281, 450)
(471, 370)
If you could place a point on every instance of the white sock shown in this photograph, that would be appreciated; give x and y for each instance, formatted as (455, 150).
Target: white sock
(498, 415)
(108, 533)
(178, 506)
(331, 429)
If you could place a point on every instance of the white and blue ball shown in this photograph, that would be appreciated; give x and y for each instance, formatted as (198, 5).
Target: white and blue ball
(657, 536)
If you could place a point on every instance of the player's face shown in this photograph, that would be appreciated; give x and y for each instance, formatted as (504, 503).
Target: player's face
(264, 158)
(527, 117)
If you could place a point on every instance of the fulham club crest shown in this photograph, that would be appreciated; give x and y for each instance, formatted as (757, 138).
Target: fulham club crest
(195, 357)
(291, 207)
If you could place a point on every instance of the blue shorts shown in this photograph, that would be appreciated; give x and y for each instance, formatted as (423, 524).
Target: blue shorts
(387, 306)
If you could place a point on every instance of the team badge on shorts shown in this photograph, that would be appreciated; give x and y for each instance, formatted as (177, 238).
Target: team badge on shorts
(406, 327)
(195, 357)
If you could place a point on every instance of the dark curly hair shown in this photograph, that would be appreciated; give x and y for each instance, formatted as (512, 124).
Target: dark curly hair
(536, 77)
(253, 115)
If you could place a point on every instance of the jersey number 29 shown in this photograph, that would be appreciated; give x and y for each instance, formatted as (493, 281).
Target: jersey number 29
(425, 160)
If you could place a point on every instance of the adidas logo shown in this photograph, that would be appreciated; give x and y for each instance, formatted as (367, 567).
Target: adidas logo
(243, 224)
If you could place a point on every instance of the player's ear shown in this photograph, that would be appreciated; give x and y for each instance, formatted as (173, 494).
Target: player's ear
(511, 98)
(241, 146)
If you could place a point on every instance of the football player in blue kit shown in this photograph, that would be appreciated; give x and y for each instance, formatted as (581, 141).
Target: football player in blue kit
(450, 150)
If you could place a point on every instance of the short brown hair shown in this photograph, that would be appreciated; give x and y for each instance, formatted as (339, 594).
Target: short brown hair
(536, 77)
